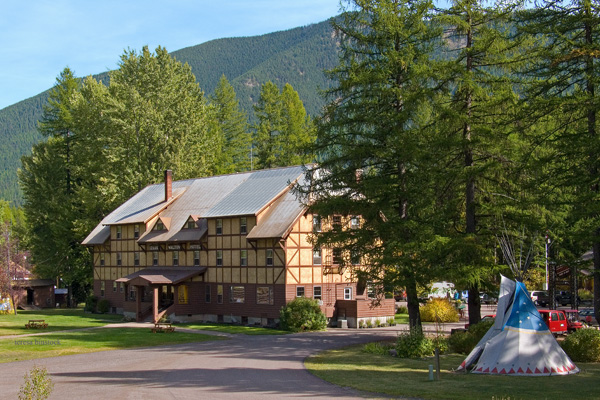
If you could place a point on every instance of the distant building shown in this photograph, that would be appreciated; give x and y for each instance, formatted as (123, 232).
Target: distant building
(229, 248)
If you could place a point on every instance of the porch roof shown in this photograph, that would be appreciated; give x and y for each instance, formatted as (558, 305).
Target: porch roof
(162, 275)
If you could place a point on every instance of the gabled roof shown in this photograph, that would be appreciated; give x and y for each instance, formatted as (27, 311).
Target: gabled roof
(247, 193)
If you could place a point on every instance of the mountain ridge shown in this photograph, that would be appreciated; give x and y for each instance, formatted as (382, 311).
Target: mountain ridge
(297, 56)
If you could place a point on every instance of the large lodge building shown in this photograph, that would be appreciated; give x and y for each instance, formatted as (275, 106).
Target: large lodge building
(230, 248)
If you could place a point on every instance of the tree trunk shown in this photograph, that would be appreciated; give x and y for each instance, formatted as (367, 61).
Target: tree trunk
(412, 303)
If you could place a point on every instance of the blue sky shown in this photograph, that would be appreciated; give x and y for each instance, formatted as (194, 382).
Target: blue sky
(41, 37)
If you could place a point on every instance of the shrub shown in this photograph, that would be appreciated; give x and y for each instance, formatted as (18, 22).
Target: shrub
(391, 321)
(402, 310)
(464, 342)
(302, 314)
(38, 385)
(378, 348)
(91, 303)
(583, 345)
(369, 323)
(439, 310)
(585, 294)
(103, 306)
(414, 344)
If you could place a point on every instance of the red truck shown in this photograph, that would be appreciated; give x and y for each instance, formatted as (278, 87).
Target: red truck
(556, 321)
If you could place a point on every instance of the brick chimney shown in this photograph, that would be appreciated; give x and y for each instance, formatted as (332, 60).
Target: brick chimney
(168, 185)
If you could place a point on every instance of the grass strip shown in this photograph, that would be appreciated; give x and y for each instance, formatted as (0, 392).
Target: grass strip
(233, 329)
(57, 319)
(351, 367)
(101, 339)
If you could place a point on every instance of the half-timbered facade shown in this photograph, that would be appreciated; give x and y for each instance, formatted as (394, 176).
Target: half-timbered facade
(230, 248)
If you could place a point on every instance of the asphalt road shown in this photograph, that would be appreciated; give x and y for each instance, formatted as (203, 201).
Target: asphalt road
(243, 367)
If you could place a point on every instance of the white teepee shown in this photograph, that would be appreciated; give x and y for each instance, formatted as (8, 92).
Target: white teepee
(519, 342)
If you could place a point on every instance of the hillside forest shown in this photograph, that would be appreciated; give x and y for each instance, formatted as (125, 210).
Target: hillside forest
(443, 129)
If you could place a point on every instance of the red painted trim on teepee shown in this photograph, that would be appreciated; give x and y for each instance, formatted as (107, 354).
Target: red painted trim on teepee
(520, 371)
(512, 371)
(559, 369)
(529, 371)
(546, 370)
(495, 370)
(537, 371)
(553, 370)
(487, 370)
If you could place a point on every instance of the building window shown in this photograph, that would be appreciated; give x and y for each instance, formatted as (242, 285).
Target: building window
(219, 258)
(348, 293)
(269, 257)
(243, 225)
(182, 294)
(119, 261)
(155, 258)
(236, 294)
(136, 231)
(102, 259)
(132, 293)
(244, 258)
(121, 287)
(159, 226)
(102, 288)
(175, 258)
(317, 256)
(220, 294)
(316, 223)
(337, 256)
(264, 295)
(337, 221)
(219, 226)
(355, 222)
(119, 232)
(136, 258)
(196, 258)
(299, 291)
(207, 294)
(114, 286)
(355, 257)
(317, 292)
(190, 224)
(371, 292)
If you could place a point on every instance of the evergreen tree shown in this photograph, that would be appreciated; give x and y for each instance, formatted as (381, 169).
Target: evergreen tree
(476, 122)
(48, 182)
(231, 127)
(375, 149)
(562, 97)
(267, 139)
(284, 131)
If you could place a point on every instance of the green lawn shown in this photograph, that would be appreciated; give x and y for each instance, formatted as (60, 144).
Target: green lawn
(234, 329)
(65, 343)
(350, 367)
(57, 319)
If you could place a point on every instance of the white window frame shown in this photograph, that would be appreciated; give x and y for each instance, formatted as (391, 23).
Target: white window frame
(348, 293)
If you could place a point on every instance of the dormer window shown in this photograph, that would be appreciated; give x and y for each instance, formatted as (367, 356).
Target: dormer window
(159, 226)
(190, 224)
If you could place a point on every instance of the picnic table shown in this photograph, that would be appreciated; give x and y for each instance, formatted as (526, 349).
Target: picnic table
(163, 327)
(36, 323)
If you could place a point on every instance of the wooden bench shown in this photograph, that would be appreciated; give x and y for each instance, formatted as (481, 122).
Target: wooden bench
(163, 327)
(36, 323)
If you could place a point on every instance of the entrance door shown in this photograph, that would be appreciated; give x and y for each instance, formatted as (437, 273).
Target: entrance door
(29, 296)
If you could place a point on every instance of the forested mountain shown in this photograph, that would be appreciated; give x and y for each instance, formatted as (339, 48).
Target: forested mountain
(297, 56)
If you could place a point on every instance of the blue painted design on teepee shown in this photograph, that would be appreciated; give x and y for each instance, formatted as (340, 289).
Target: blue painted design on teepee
(523, 313)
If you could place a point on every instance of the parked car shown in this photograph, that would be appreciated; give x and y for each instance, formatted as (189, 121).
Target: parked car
(540, 298)
(487, 298)
(573, 322)
(563, 297)
(586, 315)
(556, 320)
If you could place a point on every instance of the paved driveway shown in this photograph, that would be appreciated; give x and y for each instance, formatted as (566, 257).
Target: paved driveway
(247, 367)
